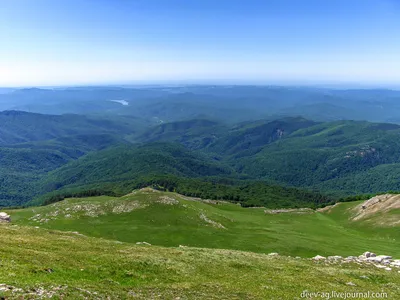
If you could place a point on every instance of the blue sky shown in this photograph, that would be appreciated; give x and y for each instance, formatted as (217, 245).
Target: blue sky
(57, 42)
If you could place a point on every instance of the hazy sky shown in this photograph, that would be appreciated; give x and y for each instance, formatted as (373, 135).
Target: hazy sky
(52, 42)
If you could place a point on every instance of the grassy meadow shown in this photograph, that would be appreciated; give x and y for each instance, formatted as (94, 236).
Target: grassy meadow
(169, 219)
(39, 263)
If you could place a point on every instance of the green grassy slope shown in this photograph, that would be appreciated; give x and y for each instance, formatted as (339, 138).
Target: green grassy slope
(40, 263)
(168, 219)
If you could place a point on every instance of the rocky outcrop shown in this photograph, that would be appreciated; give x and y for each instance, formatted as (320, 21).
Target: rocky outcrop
(319, 257)
(143, 243)
(380, 261)
(378, 205)
(4, 217)
(289, 210)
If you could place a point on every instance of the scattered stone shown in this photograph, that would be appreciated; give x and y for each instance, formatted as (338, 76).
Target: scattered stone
(385, 257)
(351, 284)
(289, 210)
(4, 217)
(380, 261)
(209, 221)
(364, 277)
(335, 257)
(319, 257)
(395, 263)
(380, 266)
(5, 287)
(351, 258)
(376, 259)
(31, 293)
(369, 254)
(386, 262)
(273, 254)
(143, 243)
(167, 200)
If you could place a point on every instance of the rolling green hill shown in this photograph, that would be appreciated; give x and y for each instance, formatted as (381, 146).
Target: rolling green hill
(249, 138)
(193, 134)
(150, 244)
(129, 162)
(169, 219)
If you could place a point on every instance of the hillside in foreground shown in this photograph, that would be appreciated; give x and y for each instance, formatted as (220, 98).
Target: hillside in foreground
(38, 263)
(169, 219)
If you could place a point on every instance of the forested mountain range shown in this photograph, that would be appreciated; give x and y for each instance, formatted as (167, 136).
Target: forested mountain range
(226, 139)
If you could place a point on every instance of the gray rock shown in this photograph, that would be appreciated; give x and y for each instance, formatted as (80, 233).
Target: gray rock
(380, 266)
(4, 217)
(368, 254)
(351, 258)
(319, 257)
(386, 257)
(335, 258)
(395, 263)
(143, 243)
(376, 259)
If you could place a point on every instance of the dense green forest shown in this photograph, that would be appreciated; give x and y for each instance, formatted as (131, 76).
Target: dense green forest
(172, 133)
(245, 193)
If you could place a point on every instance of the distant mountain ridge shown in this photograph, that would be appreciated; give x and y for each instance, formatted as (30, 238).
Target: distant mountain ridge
(20, 127)
(229, 103)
